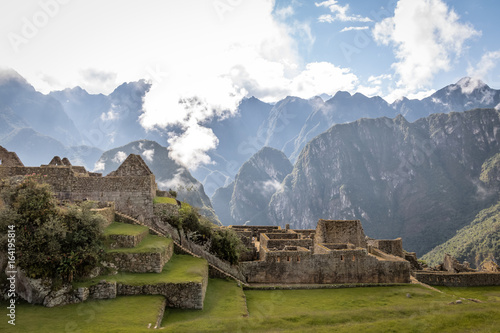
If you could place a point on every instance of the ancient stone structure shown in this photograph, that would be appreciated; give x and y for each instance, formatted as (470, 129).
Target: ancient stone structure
(336, 252)
(131, 187)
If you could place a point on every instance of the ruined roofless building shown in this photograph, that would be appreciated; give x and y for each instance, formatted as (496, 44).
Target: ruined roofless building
(336, 252)
(132, 187)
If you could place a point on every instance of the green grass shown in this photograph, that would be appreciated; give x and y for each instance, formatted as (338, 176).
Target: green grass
(123, 314)
(166, 200)
(224, 302)
(180, 268)
(150, 243)
(374, 309)
(117, 228)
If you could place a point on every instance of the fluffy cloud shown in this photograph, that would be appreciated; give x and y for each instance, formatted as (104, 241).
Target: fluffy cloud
(426, 36)
(148, 154)
(488, 61)
(339, 13)
(119, 157)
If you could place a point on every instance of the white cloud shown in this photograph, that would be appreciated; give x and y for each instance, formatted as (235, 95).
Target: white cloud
(322, 77)
(119, 157)
(339, 13)
(284, 12)
(426, 36)
(488, 61)
(191, 147)
(378, 79)
(354, 28)
(148, 154)
(110, 115)
(99, 166)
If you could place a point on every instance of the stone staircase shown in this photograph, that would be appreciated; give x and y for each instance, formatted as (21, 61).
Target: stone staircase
(214, 270)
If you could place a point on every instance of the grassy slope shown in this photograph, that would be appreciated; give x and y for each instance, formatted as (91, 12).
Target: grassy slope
(180, 268)
(117, 228)
(475, 242)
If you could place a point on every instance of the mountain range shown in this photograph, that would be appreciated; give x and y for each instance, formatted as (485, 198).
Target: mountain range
(410, 168)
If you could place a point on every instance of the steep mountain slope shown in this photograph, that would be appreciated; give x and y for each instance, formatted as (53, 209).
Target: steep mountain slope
(107, 121)
(169, 174)
(464, 95)
(416, 180)
(474, 243)
(42, 113)
(341, 108)
(255, 183)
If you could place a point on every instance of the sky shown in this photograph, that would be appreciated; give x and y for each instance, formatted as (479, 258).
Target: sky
(203, 56)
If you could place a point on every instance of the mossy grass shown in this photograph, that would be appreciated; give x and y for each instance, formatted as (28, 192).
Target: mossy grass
(171, 201)
(149, 244)
(179, 269)
(123, 314)
(117, 228)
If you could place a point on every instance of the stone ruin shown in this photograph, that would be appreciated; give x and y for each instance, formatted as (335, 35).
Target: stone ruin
(132, 186)
(336, 252)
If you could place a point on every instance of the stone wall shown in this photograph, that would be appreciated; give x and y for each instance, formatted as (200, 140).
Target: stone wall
(335, 266)
(132, 195)
(126, 241)
(333, 231)
(280, 244)
(164, 209)
(389, 246)
(108, 213)
(103, 290)
(141, 262)
(475, 279)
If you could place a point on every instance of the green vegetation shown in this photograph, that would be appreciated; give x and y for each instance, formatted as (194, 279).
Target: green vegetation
(475, 243)
(225, 243)
(50, 241)
(150, 243)
(123, 314)
(117, 228)
(165, 200)
(490, 169)
(180, 268)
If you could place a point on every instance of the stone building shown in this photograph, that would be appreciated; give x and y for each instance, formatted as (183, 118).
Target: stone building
(132, 186)
(336, 252)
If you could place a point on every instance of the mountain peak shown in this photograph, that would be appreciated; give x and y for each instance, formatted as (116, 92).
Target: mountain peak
(468, 84)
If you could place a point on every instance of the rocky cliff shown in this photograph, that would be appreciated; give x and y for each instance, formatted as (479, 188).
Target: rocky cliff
(420, 180)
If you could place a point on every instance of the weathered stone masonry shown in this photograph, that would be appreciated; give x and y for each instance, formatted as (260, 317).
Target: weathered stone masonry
(131, 187)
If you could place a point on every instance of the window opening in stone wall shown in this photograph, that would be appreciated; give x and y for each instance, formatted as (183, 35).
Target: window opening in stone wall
(288, 259)
(278, 259)
(298, 259)
(353, 258)
(341, 258)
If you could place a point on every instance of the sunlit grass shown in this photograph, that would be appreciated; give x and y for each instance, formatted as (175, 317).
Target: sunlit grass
(117, 228)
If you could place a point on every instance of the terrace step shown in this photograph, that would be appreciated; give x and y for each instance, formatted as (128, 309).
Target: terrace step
(122, 235)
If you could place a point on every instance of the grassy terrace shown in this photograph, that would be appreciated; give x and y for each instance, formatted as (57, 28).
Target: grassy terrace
(377, 309)
(165, 200)
(180, 268)
(150, 243)
(117, 228)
